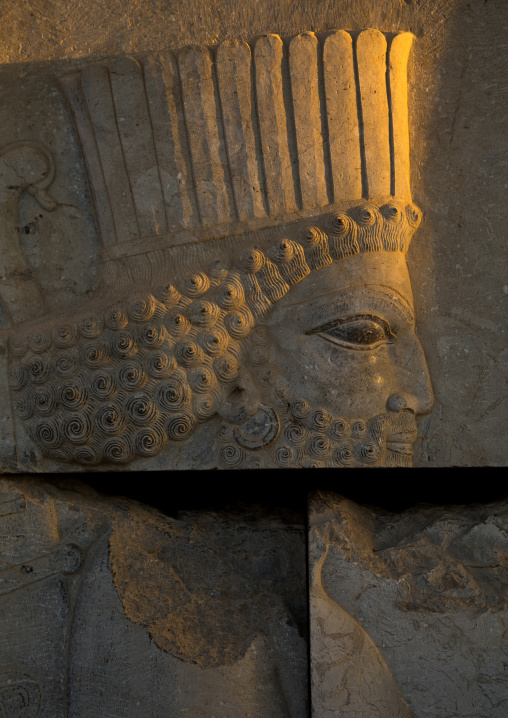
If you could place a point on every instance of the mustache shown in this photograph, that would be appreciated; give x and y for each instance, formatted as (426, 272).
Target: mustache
(394, 428)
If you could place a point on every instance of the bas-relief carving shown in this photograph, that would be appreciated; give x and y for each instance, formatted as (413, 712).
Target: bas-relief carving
(139, 614)
(408, 611)
(19, 696)
(254, 303)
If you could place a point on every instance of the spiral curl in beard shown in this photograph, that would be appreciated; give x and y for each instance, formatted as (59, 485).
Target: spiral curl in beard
(225, 432)
(77, 428)
(283, 251)
(280, 391)
(226, 368)
(267, 376)
(215, 342)
(18, 377)
(344, 454)
(338, 429)
(152, 336)
(141, 307)
(358, 428)
(196, 285)
(320, 419)
(91, 326)
(204, 407)
(63, 453)
(295, 433)
(312, 237)
(118, 450)
(319, 446)
(287, 456)
(369, 453)
(188, 353)
(414, 215)
(250, 261)
(124, 344)
(258, 355)
(44, 400)
(116, 319)
(149, 441)
(203, 313)
(24, 406)
(73, 394)
(159, 364)
(38, 371)
(300, 408)
(366, 215)
(201, 380)
(65, 365)
(231, 294)
(180, 426)
(239, 322)
(103, 385)
(142, 410)
(177, 324)
(341, 224)
(259, 336)
(132, 377)
(109, 419)
(173, 393)
(218, 271)
(65, 335)
(18, 345)
(168, 295)
(88, 455)
(39, 342)
(232, 456)
(254, 462)
(48, 433)
(94, 355)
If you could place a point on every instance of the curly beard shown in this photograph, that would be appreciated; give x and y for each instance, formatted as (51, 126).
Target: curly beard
(297, 435)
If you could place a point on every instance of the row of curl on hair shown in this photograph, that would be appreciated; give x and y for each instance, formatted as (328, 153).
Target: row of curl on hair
(124, 381)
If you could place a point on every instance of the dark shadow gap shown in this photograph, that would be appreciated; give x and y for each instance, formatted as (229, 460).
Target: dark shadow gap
(284, 493)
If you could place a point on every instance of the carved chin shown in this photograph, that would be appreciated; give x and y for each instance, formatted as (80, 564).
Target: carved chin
(399, 454)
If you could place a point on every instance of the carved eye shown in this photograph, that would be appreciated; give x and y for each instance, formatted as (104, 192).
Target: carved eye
(361, 331)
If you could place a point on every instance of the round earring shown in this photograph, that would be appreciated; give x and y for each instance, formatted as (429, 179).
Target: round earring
(258, 431)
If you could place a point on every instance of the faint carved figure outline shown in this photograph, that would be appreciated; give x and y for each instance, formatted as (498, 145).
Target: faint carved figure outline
(237, 174)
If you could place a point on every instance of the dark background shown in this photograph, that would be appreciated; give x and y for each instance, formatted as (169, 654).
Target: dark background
(286, 492)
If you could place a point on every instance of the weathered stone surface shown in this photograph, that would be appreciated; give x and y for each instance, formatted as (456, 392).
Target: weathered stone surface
(226, 332)
(408, 611)
(458, 170)
(111, 608)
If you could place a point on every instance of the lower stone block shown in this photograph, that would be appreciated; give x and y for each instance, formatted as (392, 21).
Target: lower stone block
(408, 611)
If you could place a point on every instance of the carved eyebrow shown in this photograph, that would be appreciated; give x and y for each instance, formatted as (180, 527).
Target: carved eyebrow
(375, 291)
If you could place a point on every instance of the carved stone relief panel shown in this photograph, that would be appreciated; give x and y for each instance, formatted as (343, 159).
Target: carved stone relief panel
(111, 608)
(253, 304)
(408, 611)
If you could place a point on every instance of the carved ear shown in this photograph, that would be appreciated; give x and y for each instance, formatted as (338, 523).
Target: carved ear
(242, 402)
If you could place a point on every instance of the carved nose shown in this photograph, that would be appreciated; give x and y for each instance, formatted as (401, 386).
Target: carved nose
(416, 392)
(418, 403)
(397, 402)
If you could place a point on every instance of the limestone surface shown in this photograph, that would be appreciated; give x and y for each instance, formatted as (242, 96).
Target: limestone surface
(408, 611)
(110, 608)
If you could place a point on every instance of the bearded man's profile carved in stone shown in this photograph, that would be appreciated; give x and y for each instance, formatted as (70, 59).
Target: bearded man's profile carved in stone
(254, 305)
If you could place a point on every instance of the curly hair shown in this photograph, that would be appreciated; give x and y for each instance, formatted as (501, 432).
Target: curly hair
(131, 378)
